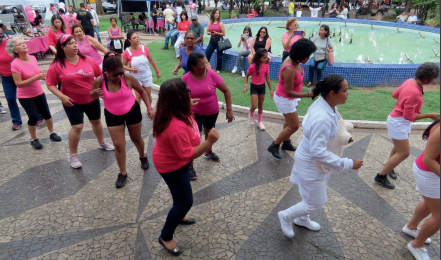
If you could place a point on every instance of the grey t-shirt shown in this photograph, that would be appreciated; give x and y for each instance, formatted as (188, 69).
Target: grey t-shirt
(198, 30)
(321, 44)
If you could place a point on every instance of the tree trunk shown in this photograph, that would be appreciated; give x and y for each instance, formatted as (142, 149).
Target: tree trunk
(371, 3)
(99, 7)
(409, 6)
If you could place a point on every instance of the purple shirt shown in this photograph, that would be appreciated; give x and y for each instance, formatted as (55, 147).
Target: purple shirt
(184, 56)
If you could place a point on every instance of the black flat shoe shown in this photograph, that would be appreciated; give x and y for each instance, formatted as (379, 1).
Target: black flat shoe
(190, 221)
(393, 174)
(177, 251)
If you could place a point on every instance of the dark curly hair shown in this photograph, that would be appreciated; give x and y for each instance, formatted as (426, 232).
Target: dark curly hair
(302, 49)
(427, 71)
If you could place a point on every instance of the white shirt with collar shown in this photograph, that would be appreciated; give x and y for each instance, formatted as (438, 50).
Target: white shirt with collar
(96, 20)
(412, 18)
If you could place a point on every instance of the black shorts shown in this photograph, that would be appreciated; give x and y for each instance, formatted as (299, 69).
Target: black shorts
(34, 105)
(133, 117)
(76, 113)
(207, 122)
(257, 89)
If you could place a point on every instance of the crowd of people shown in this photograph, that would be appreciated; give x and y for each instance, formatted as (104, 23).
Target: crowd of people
(188, 107)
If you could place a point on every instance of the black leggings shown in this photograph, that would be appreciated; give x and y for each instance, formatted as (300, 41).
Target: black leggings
(34, 105)
(155, 20)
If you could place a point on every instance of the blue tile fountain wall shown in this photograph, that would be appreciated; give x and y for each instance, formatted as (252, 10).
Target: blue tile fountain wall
(357, 74)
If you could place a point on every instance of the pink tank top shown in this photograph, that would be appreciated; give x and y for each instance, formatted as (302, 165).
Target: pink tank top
(215, 27)
(114, 33)
(420, 163)
(121, 102)
(297, 87)
(86, 49)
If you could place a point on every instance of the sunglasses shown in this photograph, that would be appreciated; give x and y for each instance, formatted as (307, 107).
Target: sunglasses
(262, 32)
(118, 74)
(190, 38)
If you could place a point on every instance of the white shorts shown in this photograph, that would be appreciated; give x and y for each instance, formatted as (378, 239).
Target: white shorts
(144, 78)
(398, 128)
(285, 105)
(427, 183)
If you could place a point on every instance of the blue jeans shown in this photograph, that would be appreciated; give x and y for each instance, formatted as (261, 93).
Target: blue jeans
(180, 188)
(173, 34)
(212, 46)
(313, 66)
(97, 30)
(291, 15)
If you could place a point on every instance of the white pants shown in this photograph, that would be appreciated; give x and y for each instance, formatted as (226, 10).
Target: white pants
(427, 183)
(298, 13)
(178, 44)
(300, 210)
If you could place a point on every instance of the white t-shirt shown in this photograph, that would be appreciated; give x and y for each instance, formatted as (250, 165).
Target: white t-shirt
(314, 11)
(412, 18)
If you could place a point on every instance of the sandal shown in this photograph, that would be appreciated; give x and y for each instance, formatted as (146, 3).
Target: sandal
(309, 84)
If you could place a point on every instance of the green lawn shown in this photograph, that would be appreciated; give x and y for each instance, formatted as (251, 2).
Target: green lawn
(362, 104)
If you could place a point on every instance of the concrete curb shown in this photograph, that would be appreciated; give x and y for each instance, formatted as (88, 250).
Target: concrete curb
(357, 123)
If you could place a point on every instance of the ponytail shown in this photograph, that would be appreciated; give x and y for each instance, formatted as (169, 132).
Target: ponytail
(332, 82)
(428, 129)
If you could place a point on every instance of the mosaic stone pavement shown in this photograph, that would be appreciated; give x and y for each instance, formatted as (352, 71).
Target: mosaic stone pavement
(50, 211)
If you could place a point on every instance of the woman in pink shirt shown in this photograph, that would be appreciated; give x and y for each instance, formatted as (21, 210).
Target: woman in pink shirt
(426, 171)
(216, 29)
(87, 45)
(177, 144)
(399, 123)
(289, 92)
(76, 74)
(116, 87)
(203, 83)
(289, 38)
(58, 28)
(27, 76)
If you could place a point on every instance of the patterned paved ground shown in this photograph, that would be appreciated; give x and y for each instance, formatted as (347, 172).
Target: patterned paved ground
(50, 211)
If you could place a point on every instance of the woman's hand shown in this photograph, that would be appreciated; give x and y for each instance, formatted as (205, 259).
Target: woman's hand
(41, 76)
(434, 116)
(135, 70)
(357, 164)
(213, 136)
(303, 35)
(151, 114)
(67, 101)
(158, 75)
(328, 49)
(272, 93)
(194, 101)
(95, 94)
(351, 140)
(175, 71)
(245, 89)
(230, 116)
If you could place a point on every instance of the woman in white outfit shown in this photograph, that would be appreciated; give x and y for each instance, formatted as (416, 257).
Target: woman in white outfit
(139, 58)
(320, 125)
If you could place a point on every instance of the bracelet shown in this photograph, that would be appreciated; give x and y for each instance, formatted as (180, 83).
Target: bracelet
(308, 94)
(156, 71)
(246, 85)
(149, 108)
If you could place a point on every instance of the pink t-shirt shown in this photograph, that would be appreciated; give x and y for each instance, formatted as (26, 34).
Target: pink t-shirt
(258, 79)
(174, 147)
(89, 51)
(76, 80)
(137, 53)
(5, 60)
(410, 100)
(27, 71)
(52, 38)
(297, 86)
(205, 90)
(250, 42)
(285, 38)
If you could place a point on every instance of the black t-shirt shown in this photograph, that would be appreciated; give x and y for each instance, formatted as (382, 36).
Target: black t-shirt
(154, 11)
(37, 20)
(84, 17)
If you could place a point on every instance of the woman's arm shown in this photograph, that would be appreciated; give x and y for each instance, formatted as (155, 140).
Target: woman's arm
(96, 45)
(433, 116)
(288, 75)
(222, 29)
(110, 35)
(97, 90)
(134, 83)
(268, 80)
(268, 44)
(252, 45)
(125, 62)
(223, 87)
(240, 41)
(431, 153)
(24, 83)
(152, 61)
(178, 66)
(120, 33)
(246, 44)
(67, 101)
(208, 28)
(199, 150)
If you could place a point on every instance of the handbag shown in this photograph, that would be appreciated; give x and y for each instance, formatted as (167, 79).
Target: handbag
(329, 56)
(224, 44)
(117, 44)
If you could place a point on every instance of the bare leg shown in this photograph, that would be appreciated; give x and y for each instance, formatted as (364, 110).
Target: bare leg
(33, 131)
(291, 125)
(149, 93)
(253, 103)
(135, 136)
(74, 138)
(117, 133)
(97, 128)
(50, 125)
(421, 212)
(402, 149)
(260, 104)
(431, 225)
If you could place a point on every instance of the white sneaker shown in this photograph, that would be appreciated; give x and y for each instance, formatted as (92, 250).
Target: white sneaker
(420, 253)
(106, 146)
(74, 162)
(286, 226)
(243, 74)
(261, 126)
(414, 233)
(2, 110)
(234, 70)
(309, 224)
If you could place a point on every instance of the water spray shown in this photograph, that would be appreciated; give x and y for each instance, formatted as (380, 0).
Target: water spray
(269, 23)
(280, 54)
(369, 60)
(352, 35)
(398, 29)
(436, 40)
(436, 54)
(422, 36)
(408, 59)
(372, 26)
(334, 33)
(345, 24)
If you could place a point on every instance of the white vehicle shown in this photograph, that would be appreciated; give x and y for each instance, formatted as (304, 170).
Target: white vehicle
(109, 6)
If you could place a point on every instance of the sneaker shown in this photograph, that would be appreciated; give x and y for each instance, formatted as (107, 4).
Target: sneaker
(36, 144)
(218, 72)
(420, 253)
(383, 181)
(234, 70)
(251, 119)
(144, 163)
(156, 34)
(54, 137)
(261, 126)
(286, 226)
(274, 150)
(165, 48)
(2, 110)
(121, 181)
(243, 74)
(393, 174)
(308, 223)
(74, 162)
(414, 233)
(193, 174)
(287, 145)
(106, 146)
(16, 127)
(40, 122)
(212, 156)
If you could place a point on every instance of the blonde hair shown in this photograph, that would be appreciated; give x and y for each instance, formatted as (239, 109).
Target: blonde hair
(63, 24)
(289, 22)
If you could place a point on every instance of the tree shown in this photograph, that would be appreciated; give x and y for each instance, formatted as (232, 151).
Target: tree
(99, 7)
